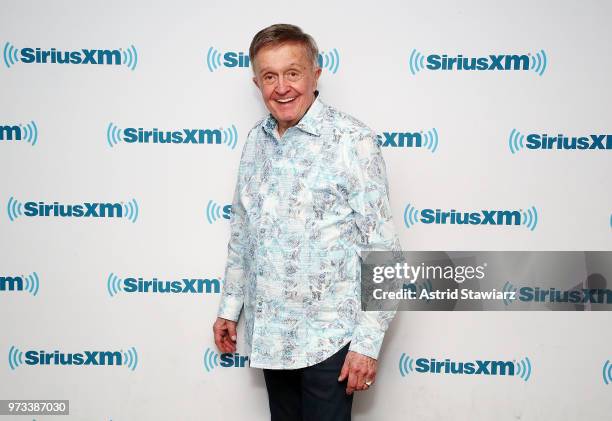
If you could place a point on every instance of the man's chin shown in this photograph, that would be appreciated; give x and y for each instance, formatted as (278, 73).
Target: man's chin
(286, 120)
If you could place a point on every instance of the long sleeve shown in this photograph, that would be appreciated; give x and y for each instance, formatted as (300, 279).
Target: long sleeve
(369, 199)
(232, 297)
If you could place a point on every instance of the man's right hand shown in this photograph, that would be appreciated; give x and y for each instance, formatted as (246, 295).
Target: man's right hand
(225, 334)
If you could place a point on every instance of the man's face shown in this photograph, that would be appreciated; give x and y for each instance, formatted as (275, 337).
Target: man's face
(287, 79)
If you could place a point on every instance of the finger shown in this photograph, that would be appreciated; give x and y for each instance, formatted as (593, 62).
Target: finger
(224, 347)
(231, 329)
(219, 340)
(371, 377)
(352, 381)
(230, 346)
(344, 371)
(360, 382)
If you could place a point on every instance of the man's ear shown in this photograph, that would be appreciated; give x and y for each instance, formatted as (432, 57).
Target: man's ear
(255, 81)
(316, 77)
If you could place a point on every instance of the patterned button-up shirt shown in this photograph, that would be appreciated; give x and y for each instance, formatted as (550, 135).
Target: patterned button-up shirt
(305, 206)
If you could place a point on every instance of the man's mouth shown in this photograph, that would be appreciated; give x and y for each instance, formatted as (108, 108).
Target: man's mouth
(285, 100)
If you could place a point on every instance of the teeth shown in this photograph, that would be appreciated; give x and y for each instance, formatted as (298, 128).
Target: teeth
(285, 100)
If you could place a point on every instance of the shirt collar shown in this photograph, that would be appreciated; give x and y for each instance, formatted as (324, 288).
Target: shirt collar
(310, 123)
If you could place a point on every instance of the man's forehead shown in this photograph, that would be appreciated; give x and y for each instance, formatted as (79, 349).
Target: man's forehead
(282, 55)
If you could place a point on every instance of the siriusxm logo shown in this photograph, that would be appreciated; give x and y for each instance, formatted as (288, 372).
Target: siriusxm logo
(27, 132)
(215, 212)
(521, 368)
(428, 140)
(213, 360)
(529, 218)
(127, 210)
(115, 284)
(330, 60)
(29, 283)
(553, 295)
(238, 59)
(221, 136)
(119, 57)
(536, 141)
(524, 62)
(607, 372)
(127, 358)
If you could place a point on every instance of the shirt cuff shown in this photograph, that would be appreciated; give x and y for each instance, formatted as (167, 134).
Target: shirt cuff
(368, 345)
(230, 308)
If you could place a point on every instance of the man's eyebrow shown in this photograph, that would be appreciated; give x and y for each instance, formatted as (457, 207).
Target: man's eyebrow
(266, 69)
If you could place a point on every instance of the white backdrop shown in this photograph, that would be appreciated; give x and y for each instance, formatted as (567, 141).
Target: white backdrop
(171, 87)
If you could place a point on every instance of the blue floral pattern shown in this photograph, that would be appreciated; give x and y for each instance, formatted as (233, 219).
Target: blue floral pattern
(305, 206)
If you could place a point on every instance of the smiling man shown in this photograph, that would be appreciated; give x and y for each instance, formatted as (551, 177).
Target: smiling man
(311, 195)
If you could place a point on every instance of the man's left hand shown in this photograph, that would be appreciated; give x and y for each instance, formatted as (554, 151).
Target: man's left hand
(359, 369)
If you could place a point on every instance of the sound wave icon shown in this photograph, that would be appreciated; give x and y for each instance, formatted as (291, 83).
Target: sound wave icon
(15, 357)
(230, 137)
(129, 56)
(213, 59)
(405, 364)
(213, 211)
(211, 360)
(32, 283)
(113, 284)
(330, 60)
(416, 62)
(538, 62)
(130, 210)
(113, 134)
(13, 209)
(11, 55)
(430, 140)
(530, 218)
(130, 358)
(28, 132)
(516, 141)
(607, 372)
(508, 287)
(411, 216)
(523, 368)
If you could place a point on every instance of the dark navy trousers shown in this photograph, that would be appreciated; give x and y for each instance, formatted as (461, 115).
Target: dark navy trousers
(311, 393)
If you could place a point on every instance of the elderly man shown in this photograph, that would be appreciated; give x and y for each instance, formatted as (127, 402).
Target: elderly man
(311, 195)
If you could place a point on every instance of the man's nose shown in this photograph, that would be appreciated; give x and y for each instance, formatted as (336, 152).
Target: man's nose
(281, 86)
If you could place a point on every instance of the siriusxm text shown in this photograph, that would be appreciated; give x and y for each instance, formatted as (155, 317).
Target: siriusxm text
(82, 56)
(11, 283)
(593, 141)
(195, 286)
(490, 62)
(233, 360)
(553, 295)
(84, 210)
(10, 133)
(78, 358)
(484, 217)
(476, 367)
(400, 139)
(197, 136)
